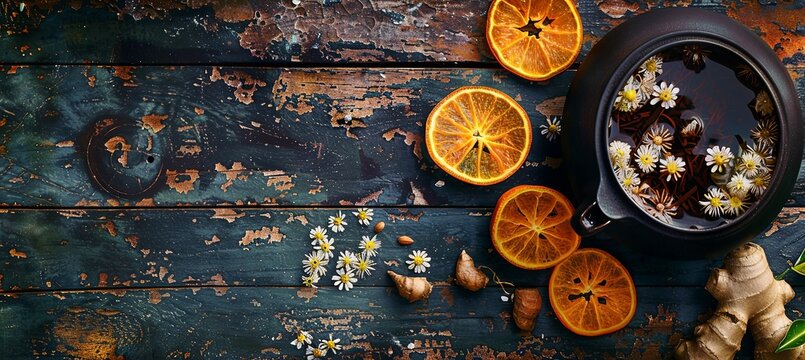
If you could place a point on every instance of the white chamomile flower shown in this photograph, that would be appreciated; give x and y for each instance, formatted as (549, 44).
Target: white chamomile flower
(344, 279)
(315, 264)
(659, 137)
(419, 262)
(364, 216)
(629, 97)
(647, 157)
(365, 266)
(714, 202)
(646, 86)
(760, 183)
(369, 245)
(552, 129)
(346, 260)
(751, 164)
(315, 353)
(719, 157)
(627, 177)
(736, 204)
(310, 280)
(302, 338)
(326, 248)
(665, 94)
(673, 167)
(619, 153)
(336, 223)
(739, 185)
(652, 66)
(330, 344)
(661, 205)
(318, 234)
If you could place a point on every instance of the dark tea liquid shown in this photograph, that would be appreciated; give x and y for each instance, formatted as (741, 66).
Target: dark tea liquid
(693, 136)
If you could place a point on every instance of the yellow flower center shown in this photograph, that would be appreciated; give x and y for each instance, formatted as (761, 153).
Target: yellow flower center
(331, 344)
(657, 140)
(317, 353)
(347, 260)
(325, 247)
(630, 95)
(318, 236)
(418, 260)
(362, 215)
(362, 266)
(370, 245)
(314, 263)
(646, 159)
(672, 167)
(750, 164)
(736, 202)
(666, 95)
(651, 66)
(553, 128)
(758, 181)
(337, 221)
(715, 201)
(301, 338)
(719, 159)
(345, 278)
(627, 181)
(620, 153)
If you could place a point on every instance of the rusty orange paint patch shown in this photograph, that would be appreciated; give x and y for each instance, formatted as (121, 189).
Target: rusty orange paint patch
(147, 202)
(778, 25)
(132, 240)
(235, 172)
(227, 214)
(552, 107)
(409, 138)
(306, 293)
(215, 239)
(181, 181)
(17, 254)
(154, 122)
(188, 150)
(109, 226)
(616, 9)
(198, 110)
(112, 145)
(271, 234)
(124, 73)
(279, 180)
(373, 196)
(245, 85)
(65, 144)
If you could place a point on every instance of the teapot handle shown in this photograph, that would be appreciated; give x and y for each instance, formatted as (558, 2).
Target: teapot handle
(591, 220)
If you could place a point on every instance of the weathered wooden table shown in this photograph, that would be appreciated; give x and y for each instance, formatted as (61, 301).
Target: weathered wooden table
(161, 165)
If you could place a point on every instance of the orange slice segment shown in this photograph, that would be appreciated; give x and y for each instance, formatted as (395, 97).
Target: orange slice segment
(592, 293)
(531, 228)
(478, 135)
(535, 39)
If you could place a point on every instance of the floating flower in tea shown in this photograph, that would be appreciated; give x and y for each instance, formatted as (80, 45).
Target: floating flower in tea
(703, 138)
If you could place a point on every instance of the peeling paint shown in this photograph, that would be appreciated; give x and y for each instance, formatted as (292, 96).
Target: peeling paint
(181, 181)
(235, 172)
(245, 85)
(154, 122)
(17, 254)
(230, 215)
(410, 139)
(271, 234)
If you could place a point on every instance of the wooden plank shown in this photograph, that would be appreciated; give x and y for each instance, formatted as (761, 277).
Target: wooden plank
(207, 136)
(372, 322)
(341, 31)
(78, 249)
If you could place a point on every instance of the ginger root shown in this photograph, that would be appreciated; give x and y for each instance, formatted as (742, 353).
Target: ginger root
(747, 294)
(411, 288)
(527, 303)
(467, 275)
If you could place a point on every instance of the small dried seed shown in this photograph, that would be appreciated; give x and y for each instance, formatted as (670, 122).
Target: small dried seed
(405, 240)
(379, 227)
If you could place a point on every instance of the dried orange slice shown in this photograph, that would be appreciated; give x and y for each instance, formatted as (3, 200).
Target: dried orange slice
(478, 135)
(535, 39)
(531, 227)
(592, 293)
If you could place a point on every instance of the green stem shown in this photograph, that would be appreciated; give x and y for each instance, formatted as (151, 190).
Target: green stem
(782, 275)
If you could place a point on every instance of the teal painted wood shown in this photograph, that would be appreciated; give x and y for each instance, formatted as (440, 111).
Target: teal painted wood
(98, 136)
(258, 322)
(191, 138)
(77, 249)
(270, 32)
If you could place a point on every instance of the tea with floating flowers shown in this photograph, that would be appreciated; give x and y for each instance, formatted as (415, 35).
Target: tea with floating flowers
(693, 136)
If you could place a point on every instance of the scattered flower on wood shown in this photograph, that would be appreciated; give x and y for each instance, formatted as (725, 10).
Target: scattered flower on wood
(369, 245)
(346, 260)
(326, 248)
(419, 261)
(344, 279)
(331, 345)
(337, 223)
(365, 266)
(315, 264)
(552, 129)
(364, 216)
(318, 234)
(315, 353)
(302, 338)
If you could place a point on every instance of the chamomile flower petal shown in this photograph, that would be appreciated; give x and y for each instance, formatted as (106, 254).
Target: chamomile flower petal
(365, 266)
(346, 260)
(672, 167)
(652, 66)
(331, 345)
(326, 248)
(629, 98)
(364, 216)
(310, 280)
(315, 353)
(419, 261)
(318, 234)
(618, 151)
(751, 164)
(714, 202)
(736, 204)
(302, 338)
(344, 279)
(661, 205)
(315, 264)
(719, 158)
(739, 185)
(337, 223)
(763, 104)
(647, 157)
(369, 245)
(659, 137)
(552, 129)
(766, 132)
(665, 94)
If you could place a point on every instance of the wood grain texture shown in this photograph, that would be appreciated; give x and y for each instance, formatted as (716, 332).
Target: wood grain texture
(210, 136)
(332, 31)
(257, 322)
(90, 249)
